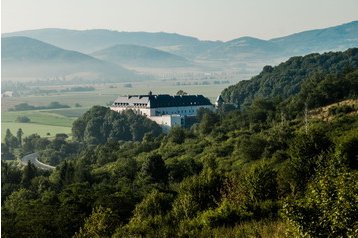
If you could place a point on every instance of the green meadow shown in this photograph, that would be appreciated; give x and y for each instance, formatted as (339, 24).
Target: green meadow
(31, 128)
(46, 123)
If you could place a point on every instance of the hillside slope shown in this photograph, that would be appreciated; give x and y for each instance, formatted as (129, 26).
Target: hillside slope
(23, 57)
(140, 56)
(285, 79)
(335, 38)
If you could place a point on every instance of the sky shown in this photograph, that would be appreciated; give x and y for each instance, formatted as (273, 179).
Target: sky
(204, 19)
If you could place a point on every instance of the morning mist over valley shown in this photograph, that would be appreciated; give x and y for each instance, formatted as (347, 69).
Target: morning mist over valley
(179, 118)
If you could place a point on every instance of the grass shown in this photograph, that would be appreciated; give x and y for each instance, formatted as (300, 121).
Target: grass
(39, 117)
(42, 122)
(31, 128)
(71, 112)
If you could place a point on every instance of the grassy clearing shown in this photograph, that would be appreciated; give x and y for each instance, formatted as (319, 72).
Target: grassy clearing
(39, 117)
(42, 123)
(70, 112)
(31, 128)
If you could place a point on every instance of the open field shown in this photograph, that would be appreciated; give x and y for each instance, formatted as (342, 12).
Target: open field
(42, 121)
(43, 117)
(30, 128)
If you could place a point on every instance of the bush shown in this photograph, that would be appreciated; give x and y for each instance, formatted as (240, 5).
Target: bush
(23, 119)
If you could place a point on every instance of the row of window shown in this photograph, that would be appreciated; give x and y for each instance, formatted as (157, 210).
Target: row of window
(123, 104)
(178, 112)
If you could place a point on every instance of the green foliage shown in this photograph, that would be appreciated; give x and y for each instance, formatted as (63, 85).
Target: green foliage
(251, 148)
(197, 193)
(347, 150)
(29, 173)
(26, 106)
(100, 125)
(287, 78)
(98, 225)
(261, 183)
(23, 119)
(154, 169)
(329, 209)
(207, 119)
(10, 179)
(10, 140)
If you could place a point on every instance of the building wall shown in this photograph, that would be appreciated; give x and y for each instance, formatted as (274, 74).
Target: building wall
(167, 121)
(183, 111)
(149, 112)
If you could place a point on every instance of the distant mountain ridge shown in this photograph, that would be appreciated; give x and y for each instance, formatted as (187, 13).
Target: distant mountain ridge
(333, 38)
(27, 57)
(140, 56)
(143, 50)
(88, 41)
(328, 39)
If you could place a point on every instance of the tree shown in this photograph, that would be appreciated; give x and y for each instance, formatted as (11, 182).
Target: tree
(10, 140)
(207, 119)
(19, 136)
(154, 169)
(99, 224)
(329, 208)
(6, 154)
(23, 119)
(177, 135)
(29, 173)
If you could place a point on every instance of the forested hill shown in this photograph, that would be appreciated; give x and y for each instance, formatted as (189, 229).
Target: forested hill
(285, 80)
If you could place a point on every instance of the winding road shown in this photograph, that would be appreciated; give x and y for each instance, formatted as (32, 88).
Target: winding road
(33, 159)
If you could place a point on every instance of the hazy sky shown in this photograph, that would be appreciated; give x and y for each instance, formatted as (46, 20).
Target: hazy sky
(205, 19)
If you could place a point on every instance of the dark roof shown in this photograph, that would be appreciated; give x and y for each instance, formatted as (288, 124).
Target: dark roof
(165, 100)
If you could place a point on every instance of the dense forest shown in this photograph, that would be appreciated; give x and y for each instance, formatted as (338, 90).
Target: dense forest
(286, 79)
(281, 161)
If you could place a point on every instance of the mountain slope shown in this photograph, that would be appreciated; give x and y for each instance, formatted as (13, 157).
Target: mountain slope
(26, 57)
(286, 79)
(334, 38)
(140, 56)
(244, 48)
(243, 54)
(88, 41)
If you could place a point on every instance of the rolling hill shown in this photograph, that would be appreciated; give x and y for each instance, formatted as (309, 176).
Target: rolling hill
(246, 55)
(243, 48)
(335, 38)
(140, 56)
(23, 57)
(87, 41)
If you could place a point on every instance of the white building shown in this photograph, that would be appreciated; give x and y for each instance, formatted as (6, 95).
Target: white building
(166, 110)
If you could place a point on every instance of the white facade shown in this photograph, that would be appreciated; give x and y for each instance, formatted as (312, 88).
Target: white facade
(165, 110)
(151, 112)
(168, 121)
